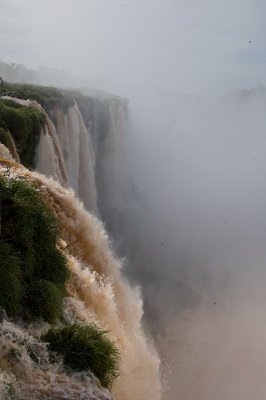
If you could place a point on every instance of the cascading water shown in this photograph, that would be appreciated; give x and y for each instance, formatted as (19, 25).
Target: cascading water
(49, 153)
(113, 154)
(76, 144)
(65, 152)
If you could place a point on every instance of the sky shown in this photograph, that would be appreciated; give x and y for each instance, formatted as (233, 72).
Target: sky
(188, 46)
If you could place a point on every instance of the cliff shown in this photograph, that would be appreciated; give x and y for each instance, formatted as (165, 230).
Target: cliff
(78, 141)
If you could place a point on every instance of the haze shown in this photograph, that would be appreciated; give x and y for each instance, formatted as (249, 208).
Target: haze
(179, 45)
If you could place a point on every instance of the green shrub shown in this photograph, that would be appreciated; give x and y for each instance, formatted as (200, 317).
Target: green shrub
(29, 258)
(85, 348)
(25, 124)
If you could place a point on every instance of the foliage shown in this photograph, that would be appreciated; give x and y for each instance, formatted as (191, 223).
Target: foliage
(85, 347)
(30, 263)
(48, 97)
(25, 125)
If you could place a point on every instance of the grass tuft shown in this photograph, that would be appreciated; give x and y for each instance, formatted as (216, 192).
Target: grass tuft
(85, 347)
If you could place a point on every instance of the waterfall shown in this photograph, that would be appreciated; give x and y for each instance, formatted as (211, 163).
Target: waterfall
(76, 144)
(68, 153)
(65, 152)
(49, 154)
(97, 291)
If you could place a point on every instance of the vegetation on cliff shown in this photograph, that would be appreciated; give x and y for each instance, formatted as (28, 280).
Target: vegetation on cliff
(47, 97)
(85, 347)
(33, 271)
(25, 124)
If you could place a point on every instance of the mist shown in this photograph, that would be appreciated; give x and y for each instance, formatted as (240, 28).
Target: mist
(126, 46)
(193, 211)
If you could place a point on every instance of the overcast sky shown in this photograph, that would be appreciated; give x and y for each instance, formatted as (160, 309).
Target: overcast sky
(193, 46)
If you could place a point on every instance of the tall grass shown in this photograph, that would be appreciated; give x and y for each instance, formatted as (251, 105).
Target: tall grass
(33, 271)
(86, 347)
